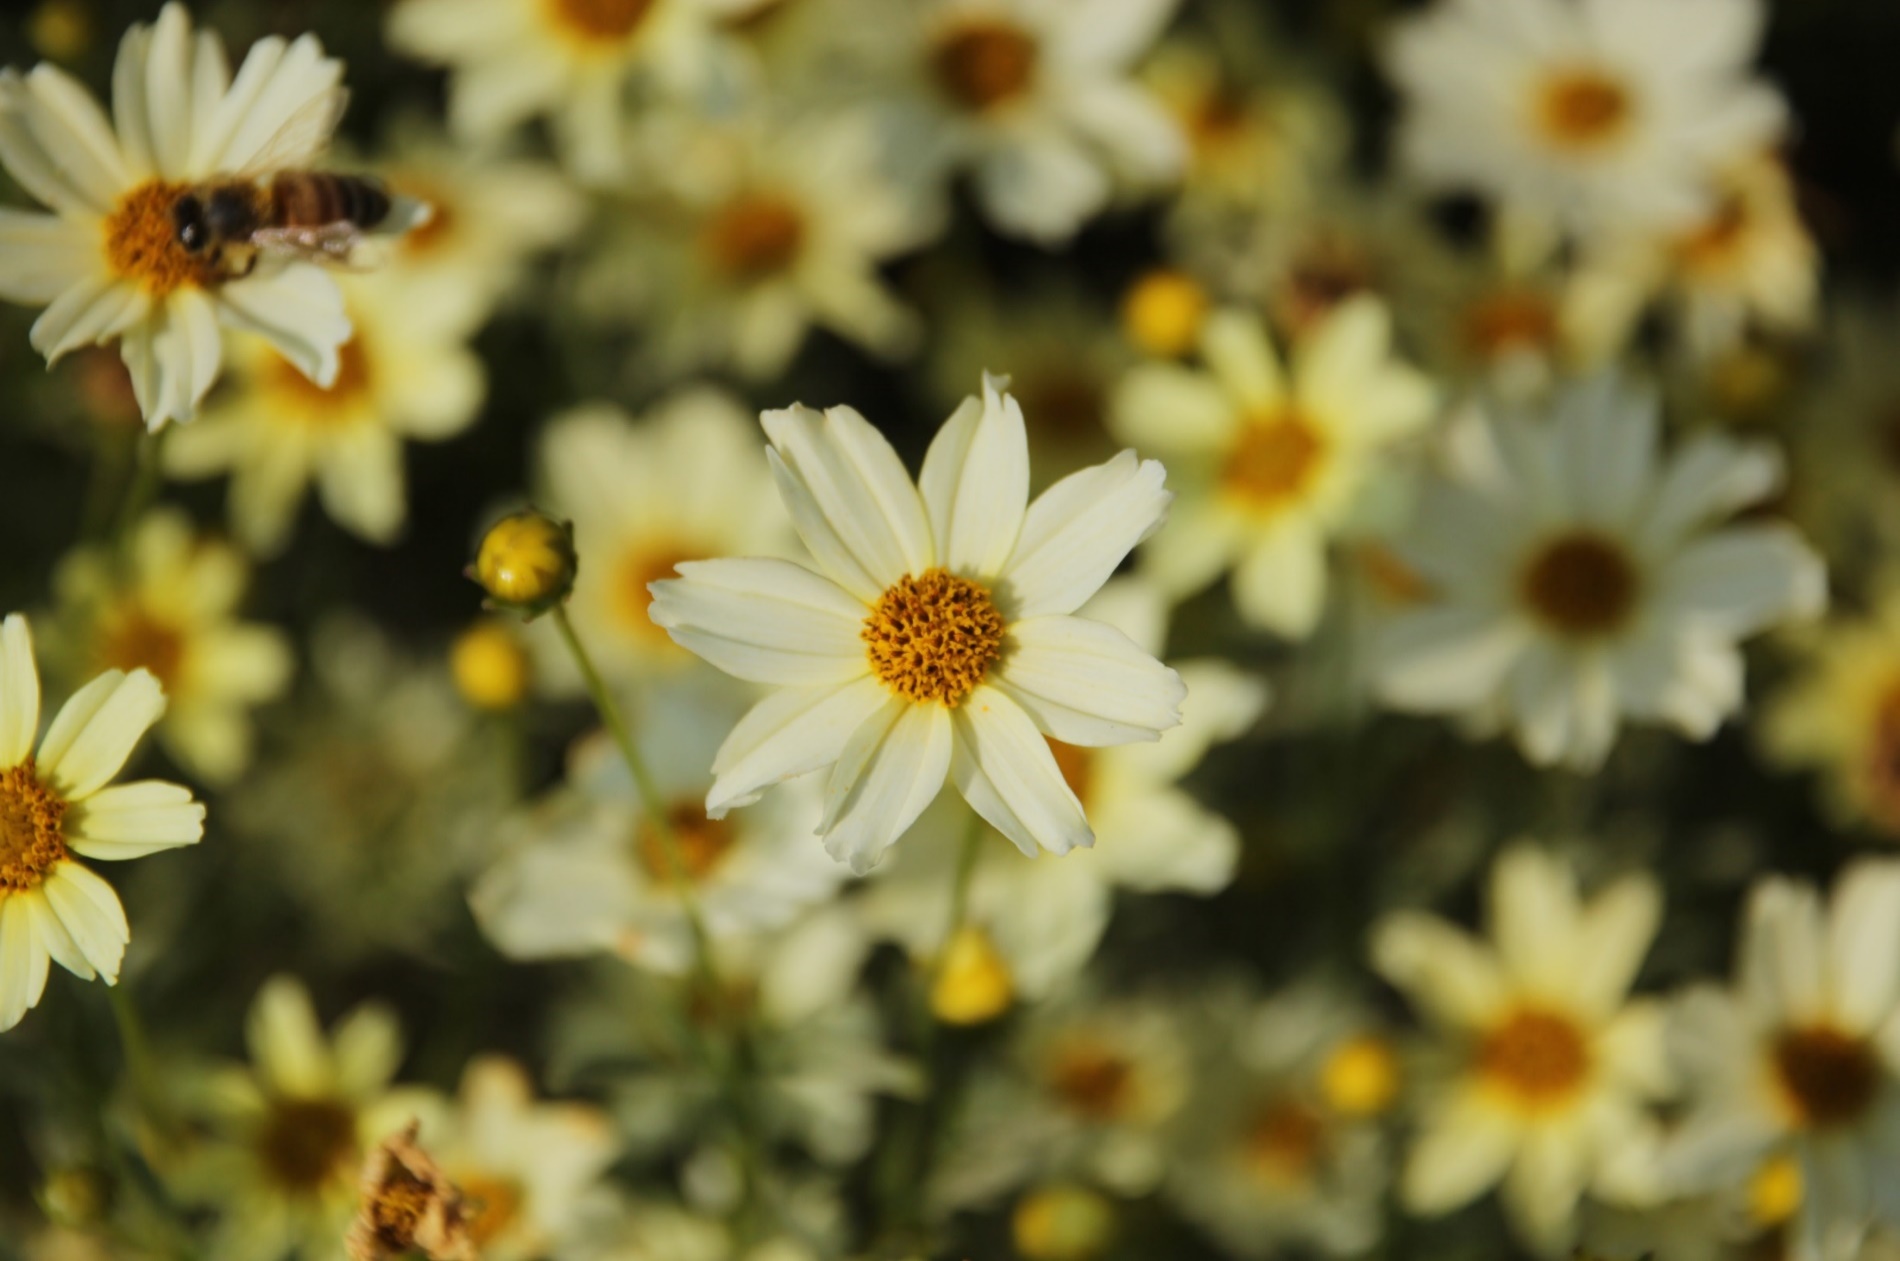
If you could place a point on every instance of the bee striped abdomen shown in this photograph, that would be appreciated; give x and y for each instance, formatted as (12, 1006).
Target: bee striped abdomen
(314, 199)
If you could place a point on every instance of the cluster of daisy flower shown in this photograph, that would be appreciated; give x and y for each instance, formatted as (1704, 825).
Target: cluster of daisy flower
(1320, 675)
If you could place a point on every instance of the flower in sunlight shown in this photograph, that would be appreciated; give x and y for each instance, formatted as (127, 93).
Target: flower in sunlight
(406, 373)
(1596, 113)
(1799, 1053)
(1578, 576)
(107, 263)
(1271, 463)
(1548, 1064)
(171, 609)
(939, 640)
(290, 1131)
(58, 805)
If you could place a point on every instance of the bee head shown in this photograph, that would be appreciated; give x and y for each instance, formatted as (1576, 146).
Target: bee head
(188, 222)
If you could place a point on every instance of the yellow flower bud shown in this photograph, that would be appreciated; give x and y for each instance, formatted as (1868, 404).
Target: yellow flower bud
(1162, 313)
(974, 986)
(1361, 1076)
(490, 666)
(1776, 1190)
(60, 29)
(1062, 1222)
(527, 562)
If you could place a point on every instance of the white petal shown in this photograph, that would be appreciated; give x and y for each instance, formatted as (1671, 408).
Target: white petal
(23, 959)
(1710, 477)
(1164, 840)
(1447, 658)
(96, 309)
(769, 621)
(360, 480)
(1235, 346)
(1006, 771)
(975, 483)
(850, 498)
(789, 733)
(35, 170)
(1614, 936)
(299, 310)
(1078, 531)
(133, 820)
(1461, 1151)
(304, 83)
(128, 100)
(96, 731)
(1042, 184)
(1165, 408)
(890, 769)
(168, 92)
(1533, 906)
(42, 256)
(53, 934)
(1744, 579)
(1281, 582)
(1864, 944)
(367, 1047)
(1444, 971)
(285, 1041)
(1543, 1187)
(1085, 683)
(91, 914)
(71, 127)
(19, 692)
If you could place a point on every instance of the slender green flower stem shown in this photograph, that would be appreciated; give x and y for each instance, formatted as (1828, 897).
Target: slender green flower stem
(959, 903)
(137, 1048)
(146, 476)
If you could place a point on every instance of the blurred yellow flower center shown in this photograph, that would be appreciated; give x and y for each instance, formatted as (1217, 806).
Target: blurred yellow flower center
(973, 985)
(490, 667)
(1361, 1076)
(32, 841)
(1775, 1191)
(1284, 1141)
(142, 242)
(1583, 108)
(130, 638)
(306, 1143)
(1498, 324)
(1092, 1080)
(1828, 1077)
(1274, 461)
(1714, 245)
(1538, 1059)
(601, 20)
(1580, 584)
(703, 844)
(1077, 767)
(1215, 119)
(316, 405)
(495, 1205)
(638, 567)
(1162, 314)
(1062, 1223)
(933, 636)
(983, 64)
(755, 236)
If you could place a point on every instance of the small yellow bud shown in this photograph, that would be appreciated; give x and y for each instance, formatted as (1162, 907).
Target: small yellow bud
(60, 30)
(72, 1197)
(974, 986)
(1062, 1222)
(1162, 313)
(490, 666)
(1361, 1076)
(527, 562)
(1776, 1191)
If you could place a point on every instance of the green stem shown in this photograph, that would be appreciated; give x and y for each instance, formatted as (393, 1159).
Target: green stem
(137, 1049)
(959, 904)
(146, 477)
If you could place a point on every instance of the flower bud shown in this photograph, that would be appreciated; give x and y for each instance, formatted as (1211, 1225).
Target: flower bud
(490, 666)
(1162, 313)
(1062, 1223)
(974, 985)
(526, 562)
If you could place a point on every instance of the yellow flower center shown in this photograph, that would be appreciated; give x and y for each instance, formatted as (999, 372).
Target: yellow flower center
(638, 567)
(1714, 245)
(1775, 1191)
(973, 984)
(983, 64)
(305, 1144)
(1077, 766)
(1092, 1080)
(1583, 108)
(1274, 462)
(1537, 1059)
(1361, 1076)
(142, 242)
(933, 636)
(600, 21)
(32, 841)
(1580, 584)
(702, 843)
(1515, 319)
(494, 1205)
(1284, 1141)
(755, 236)
(309, 403)
(131, 638)
(1828, 1077)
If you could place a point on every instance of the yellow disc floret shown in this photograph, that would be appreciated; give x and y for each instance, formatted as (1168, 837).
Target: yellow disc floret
(142, 242)
(32, 841)
(527, 562)
(933, 636)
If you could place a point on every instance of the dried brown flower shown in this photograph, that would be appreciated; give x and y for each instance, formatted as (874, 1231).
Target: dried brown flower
(409, 1205)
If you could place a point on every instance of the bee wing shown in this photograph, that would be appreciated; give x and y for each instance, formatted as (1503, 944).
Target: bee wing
(340, 245)
(303, 137)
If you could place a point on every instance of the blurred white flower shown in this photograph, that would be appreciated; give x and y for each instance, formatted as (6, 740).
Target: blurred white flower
(587, 870)
(1577, 577)
(60, 802)
(406, 373)
(1801, 1051)
(1271, 463)
(170, 607)
(107, 263)
(940, 641)
(1601, 114)
(1549, 1065)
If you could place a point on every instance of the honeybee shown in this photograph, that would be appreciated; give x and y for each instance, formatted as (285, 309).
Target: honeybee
(278, 206)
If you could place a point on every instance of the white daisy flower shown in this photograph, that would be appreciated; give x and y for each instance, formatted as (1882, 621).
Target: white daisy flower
(939, 640)
(1034, 97)
(107, 263)
(58, 805)
(589, 871)
(1595, 113)
(1577, 578)
(1272, 462)
(1549, 1064)
(1803, 1050)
